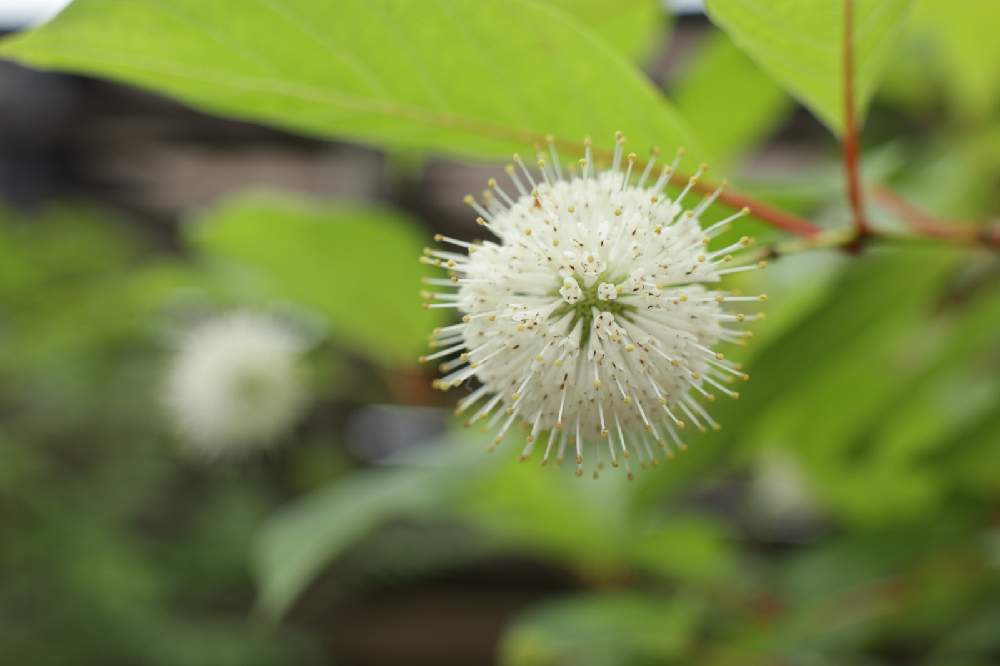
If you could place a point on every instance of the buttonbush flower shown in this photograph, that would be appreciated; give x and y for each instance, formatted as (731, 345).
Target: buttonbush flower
(234, 384)
(593, 318)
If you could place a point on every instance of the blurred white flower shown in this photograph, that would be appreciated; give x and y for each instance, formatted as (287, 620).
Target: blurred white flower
(591, 317)
(234, 384)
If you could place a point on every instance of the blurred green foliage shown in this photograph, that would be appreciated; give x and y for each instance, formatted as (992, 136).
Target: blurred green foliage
(107, 539)
(845, 514)
(338, 261)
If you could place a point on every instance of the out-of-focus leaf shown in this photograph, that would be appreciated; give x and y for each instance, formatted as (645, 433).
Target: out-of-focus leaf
(603, 630)
(819, 362)
(800, 43)
(728, 100)
(690, 548)
(552, 513)
(888, 353)
(357, 265)
(963, 45)
(590, 526)
(294, 545)
(464, 77)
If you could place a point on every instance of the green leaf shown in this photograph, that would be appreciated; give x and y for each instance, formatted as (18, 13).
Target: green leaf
(719, 76)
(294, 545)
(357, 265)
(632, 26)
(962, 36)
(465, 77)
(801, 44)
(605, 630)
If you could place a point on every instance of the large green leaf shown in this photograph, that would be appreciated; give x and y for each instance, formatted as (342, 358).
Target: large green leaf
(631, 26)
(466, 77)
(801, 44)
(357, 265)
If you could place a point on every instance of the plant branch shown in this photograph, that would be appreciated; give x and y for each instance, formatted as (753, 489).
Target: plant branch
(930, 227)
(851, 149)
(793, 224)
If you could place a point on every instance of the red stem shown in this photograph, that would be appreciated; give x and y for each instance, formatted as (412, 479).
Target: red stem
(852, 150)
(931, 227)
(777, 218)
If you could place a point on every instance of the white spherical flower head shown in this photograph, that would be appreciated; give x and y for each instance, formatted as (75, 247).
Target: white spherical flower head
(594, 317)
(234, 385)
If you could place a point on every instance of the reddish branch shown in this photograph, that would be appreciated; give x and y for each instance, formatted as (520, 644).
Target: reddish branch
(931, 227)
(777, 218)
(850, 142)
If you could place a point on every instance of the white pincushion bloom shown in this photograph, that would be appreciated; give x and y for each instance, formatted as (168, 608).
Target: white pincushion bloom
(234, 384)
(593, 318)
